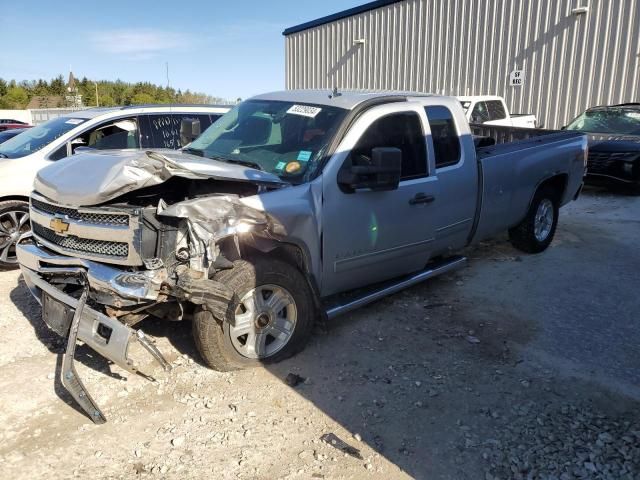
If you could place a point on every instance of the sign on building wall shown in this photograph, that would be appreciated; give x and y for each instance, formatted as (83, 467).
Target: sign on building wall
(516, 78)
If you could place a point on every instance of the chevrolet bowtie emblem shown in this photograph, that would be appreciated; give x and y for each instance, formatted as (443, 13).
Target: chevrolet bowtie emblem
(58, 225)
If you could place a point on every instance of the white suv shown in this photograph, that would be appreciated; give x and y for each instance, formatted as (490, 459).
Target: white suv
(101, 128)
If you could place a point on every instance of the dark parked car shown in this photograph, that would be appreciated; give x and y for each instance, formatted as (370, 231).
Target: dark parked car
(9, 123)
(614, 144)
(7, 134)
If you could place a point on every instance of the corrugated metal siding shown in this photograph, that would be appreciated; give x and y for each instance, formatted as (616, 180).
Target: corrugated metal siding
(468, 47)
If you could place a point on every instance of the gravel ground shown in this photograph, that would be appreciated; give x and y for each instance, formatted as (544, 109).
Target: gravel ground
(510, 368)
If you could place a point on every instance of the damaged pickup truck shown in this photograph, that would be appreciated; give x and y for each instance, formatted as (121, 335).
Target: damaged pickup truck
(264, 224)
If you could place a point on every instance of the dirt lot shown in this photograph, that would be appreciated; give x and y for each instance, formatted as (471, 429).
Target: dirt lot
(515, 367)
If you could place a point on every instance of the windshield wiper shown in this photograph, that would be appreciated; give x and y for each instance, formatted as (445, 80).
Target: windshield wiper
(246, 163)
(195, 151)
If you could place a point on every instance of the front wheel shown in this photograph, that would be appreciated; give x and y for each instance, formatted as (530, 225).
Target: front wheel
(14, 221)
(535, 233)
(273, 316)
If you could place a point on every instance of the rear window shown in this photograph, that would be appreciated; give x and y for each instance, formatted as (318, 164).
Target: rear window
(444, 135)
(496, 110)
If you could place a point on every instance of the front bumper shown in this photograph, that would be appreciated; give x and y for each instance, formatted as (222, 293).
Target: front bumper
(106, 335)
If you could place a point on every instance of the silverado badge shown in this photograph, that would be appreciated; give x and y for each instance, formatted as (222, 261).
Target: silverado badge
(58, 225)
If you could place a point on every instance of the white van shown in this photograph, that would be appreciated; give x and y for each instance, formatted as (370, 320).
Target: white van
(100, 128)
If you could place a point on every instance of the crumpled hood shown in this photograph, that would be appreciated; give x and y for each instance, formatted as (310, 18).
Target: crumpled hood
(91, 178)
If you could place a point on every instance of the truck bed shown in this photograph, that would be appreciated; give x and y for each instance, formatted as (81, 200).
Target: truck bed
(510, 171)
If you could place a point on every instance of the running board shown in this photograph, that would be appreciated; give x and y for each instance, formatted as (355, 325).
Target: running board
(433, 270)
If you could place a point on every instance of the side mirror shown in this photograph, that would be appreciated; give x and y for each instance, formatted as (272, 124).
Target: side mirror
(380, 174)
(189, 130)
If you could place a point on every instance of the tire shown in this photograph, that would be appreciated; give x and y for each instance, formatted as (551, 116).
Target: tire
(14, 221)
(535, 233)
(221, 344)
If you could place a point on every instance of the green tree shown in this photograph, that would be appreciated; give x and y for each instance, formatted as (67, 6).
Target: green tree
(141, 98)
(17, 97)
(58, 86)
(107, 101)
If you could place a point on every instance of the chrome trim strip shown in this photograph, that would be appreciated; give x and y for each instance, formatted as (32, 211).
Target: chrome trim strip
(90, 231)
(457, 262)
(461, 222)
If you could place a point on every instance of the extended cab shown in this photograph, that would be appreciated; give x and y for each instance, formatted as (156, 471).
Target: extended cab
(492, 110)
(131, 127)
(288, 200)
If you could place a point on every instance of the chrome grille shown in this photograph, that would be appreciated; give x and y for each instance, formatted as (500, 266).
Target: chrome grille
(88, 217)
(82, 245)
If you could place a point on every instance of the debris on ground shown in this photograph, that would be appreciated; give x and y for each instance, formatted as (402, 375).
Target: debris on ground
(293, 380)
(333, 440)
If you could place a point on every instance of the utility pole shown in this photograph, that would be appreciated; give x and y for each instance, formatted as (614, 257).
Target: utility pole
(97, 100)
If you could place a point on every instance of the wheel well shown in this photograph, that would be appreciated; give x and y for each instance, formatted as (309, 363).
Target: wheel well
(557, 183)
(286, 252)
(10, 198)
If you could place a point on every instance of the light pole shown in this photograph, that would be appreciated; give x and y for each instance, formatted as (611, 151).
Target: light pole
(97, 100)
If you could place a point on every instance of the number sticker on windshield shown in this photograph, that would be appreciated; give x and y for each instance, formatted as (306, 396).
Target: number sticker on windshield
(74, 121)
(304, 110)
(304, 155)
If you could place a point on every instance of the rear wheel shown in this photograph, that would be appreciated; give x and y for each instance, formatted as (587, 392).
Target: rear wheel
(273, 316)
(14, 221)
(535, 233)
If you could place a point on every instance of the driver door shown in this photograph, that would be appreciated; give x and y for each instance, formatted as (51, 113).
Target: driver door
(370, 236)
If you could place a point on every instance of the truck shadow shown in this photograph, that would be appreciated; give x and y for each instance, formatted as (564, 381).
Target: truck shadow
(400, 388)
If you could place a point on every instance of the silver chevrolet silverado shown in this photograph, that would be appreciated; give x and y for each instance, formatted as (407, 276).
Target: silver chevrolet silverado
(293, 208)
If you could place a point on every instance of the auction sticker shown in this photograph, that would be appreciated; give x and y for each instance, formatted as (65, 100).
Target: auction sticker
(74, 121)
(304, 110)
(304, 155)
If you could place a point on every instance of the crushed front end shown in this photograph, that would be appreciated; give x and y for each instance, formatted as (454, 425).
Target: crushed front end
(98, 271)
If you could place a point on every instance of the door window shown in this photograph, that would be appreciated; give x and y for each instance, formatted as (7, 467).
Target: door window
(114, 134)
(163, 131)
(399, 130)
(444, 135)
(495, 110)
(479, 113)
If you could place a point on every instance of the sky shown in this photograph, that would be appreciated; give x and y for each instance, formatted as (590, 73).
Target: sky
(226, 49)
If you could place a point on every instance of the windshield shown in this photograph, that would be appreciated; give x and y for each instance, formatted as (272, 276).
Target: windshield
(283, 138)
(621, 121)
(38, 137)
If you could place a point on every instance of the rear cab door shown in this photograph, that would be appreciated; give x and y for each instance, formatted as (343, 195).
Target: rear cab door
(369, 236)
(453, 164)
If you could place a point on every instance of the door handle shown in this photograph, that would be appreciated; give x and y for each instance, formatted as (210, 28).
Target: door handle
(421, 198)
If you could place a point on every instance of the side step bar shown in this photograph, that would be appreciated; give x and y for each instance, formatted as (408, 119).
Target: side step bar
(433, 270)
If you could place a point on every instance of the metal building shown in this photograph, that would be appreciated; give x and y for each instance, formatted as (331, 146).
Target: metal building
(570, 54)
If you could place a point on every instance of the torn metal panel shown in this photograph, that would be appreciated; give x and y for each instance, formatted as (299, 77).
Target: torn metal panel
(211, 218)
(296, 215)
(94, 177)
